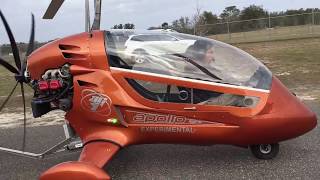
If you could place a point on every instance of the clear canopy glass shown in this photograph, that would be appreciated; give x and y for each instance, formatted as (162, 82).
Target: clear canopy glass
(181, 55)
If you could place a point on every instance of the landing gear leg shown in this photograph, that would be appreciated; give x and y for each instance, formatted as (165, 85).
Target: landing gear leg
(265, 151)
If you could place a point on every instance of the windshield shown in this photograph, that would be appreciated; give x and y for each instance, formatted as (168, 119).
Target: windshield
(186, 56)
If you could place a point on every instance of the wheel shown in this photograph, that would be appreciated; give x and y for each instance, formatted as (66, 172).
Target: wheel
(140, 56)
(265, 151)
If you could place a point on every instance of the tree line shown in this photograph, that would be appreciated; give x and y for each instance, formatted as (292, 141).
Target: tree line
(6, 48)
(124, 26)
(207, 22)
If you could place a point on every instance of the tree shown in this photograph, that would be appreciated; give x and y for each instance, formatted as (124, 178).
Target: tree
(230, 13)
(129, 26)
(209, 17)
(253, 12)
(153, 28)
(165, 25)
(118, 26)
(125, 26)
(183, 25)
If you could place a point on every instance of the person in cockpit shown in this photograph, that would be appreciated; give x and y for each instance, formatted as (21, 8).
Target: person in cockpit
(202, 54)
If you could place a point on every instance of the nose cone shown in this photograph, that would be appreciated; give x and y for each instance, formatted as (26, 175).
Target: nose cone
(290, 117)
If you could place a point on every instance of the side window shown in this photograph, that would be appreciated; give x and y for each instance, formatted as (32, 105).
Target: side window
(160, 92)
(137, 38)
(167, 38)
(145, 38)
(204, 97)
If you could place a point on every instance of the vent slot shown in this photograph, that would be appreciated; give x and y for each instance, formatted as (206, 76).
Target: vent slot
(69, 47)
(73, 53)
(86, 84)
(73, 56)
(67, 55)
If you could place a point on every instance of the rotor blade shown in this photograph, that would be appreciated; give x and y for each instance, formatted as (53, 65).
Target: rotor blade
(15, 50)
(30, 46)
(24, 118)
(8, 66)
(6, 101)
(53, 9)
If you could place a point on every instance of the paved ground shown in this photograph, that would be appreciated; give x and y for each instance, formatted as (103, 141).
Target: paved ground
(298, 159)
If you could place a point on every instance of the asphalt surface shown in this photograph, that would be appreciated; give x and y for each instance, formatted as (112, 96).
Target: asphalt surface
(298, 159)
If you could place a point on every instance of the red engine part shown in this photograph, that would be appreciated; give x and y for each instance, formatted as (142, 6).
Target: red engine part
(43, 85)
(52, 85)
(55, 84)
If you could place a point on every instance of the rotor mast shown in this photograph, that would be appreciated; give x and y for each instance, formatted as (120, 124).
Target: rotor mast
(97, 17)
(87, 16)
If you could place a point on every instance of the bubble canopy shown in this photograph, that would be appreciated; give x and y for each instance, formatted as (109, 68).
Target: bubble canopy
(185, 56)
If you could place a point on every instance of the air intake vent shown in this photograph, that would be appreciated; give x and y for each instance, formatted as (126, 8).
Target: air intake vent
(72, 52)
(75, 56)
(86, 84)
(69, 47)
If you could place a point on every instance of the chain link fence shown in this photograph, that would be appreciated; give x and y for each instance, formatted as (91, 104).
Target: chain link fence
(264, 29)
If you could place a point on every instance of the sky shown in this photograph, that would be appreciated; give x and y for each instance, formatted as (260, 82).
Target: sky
(143, 13)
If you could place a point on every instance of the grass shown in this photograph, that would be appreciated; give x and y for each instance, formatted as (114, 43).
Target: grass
(6, 78)
(7, 82)
(273, 34)
(295, 62)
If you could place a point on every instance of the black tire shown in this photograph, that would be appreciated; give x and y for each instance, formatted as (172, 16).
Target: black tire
(265, 151)
(140, 56)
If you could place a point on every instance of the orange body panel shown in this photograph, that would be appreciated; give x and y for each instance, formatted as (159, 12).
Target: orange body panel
(98, 153)
(278, 116)
(75, 170)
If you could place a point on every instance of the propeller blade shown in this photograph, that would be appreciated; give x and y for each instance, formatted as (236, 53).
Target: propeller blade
(31, 40)
(24, 118)
(8, 98)
(30, 46)
(13, 43)
(53, 9)
(8, 66)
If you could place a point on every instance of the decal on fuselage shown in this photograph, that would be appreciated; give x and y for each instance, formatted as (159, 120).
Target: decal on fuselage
(173, 130)
(96, 102)
(153, 118)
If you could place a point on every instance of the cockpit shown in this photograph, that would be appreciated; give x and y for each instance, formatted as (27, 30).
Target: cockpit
(184, 56)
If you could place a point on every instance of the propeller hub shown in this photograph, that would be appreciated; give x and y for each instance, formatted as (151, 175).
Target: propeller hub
(20, 78)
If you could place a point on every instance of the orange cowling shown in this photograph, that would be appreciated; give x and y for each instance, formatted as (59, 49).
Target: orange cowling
(74, 170)
(80, 49)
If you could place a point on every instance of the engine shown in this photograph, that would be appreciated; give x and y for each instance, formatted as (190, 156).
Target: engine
(49, 69)
(54, 90)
